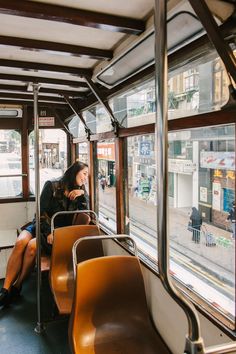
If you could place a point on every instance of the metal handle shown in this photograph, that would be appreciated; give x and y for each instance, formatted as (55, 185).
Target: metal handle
(16, 175)
(193, 341)
(72, 212)
(109, 237)
(221, 349)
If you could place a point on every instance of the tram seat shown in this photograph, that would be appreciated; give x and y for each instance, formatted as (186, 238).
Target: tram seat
(110, 312)
(61, 269)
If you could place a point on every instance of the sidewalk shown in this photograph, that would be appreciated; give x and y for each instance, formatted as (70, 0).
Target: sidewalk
(218, 260)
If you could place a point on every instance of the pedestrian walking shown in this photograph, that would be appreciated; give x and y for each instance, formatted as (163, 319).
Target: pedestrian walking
(196, 220)
(231, 218)
(103, 183)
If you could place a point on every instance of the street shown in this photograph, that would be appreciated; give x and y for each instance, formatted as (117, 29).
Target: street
(208, 271)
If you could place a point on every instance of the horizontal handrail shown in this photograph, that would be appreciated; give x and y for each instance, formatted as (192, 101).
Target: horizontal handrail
(16, 175)
(221, 348)
(105, 237)
(67, 212)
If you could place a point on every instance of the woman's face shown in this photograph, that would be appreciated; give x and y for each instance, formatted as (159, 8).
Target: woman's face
(82, 176)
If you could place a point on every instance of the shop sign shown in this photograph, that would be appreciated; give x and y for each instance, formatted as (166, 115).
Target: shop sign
(145, 148)
(217, 160)
(46, 121)
(203, 194)
(106, 151)
(145, 186)
(216, 196)
(181, 166)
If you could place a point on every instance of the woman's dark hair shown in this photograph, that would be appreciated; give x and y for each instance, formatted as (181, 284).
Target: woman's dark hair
(69, 178)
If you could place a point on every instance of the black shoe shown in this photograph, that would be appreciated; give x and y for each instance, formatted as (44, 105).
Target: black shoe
(4, 297)
(14, 293)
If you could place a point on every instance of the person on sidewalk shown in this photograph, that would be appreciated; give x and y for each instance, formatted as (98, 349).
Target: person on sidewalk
(231, 218)
(196, 220)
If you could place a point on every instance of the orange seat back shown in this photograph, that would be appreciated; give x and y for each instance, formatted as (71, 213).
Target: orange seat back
(61, 270)
(109, 312)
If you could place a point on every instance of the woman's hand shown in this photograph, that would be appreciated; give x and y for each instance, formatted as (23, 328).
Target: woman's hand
(75, 193)
(50, 239)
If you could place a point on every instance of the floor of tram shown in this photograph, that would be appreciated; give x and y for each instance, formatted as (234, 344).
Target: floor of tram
(18, 321)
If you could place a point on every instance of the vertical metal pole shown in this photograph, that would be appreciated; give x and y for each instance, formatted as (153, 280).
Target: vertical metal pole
(39, 326)
(193, 340)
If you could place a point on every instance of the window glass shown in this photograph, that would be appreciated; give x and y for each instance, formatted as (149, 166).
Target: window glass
(83, 152)
(90, 117)
(107, 184)
(52, 155)
(11, 164)
(142, 192)
(98, 120)
(199, 88)
(201, 193)
(202, 165)
(83, 156)
(76, 127)
(135, 107)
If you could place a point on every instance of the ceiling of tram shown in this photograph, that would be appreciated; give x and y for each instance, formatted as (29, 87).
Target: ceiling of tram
(59, 44)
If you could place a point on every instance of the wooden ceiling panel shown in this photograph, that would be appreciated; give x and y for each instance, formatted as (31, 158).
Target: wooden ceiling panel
(73, 16)
(132, 8)
(54, 48)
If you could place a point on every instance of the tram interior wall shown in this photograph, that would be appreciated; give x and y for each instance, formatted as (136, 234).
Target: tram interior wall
(13, 216)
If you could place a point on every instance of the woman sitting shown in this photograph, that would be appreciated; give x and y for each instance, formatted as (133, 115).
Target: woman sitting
(63, 194)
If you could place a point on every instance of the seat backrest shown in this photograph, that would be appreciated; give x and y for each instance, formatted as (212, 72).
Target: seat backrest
(107, 290)
(61, 270)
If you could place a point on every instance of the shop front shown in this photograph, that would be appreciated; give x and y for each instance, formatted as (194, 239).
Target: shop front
(218, 170)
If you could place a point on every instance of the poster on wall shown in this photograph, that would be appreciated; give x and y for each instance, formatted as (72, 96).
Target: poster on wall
(224, 160)
(216, 195)
(203, 194)
(228, 199)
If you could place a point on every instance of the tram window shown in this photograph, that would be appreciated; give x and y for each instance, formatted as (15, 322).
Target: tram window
(107, 184)
(76, 127)
(200, 88)
(203, 249)
(135, 107)
(83, 152)
(103, 121)
(142, 192)
(201, 176)
(11, 164)
(97, 119)
(52, 155)
(83, 156)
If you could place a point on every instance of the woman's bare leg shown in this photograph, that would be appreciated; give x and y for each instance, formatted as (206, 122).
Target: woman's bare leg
(28, 262)
(14, 263)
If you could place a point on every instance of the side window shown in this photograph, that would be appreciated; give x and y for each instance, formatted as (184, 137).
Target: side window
(201, 213)
(83, 152)
(52, 155)
(142, 192)
(83, 156)
(107, 184)
(11, 164)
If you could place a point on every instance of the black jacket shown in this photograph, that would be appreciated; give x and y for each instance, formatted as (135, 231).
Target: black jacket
(52, 200)
(231, 215)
